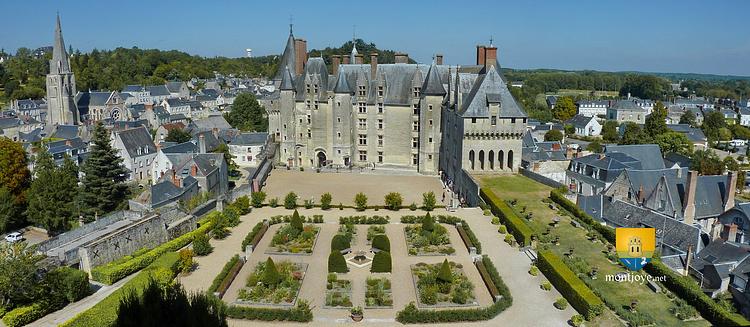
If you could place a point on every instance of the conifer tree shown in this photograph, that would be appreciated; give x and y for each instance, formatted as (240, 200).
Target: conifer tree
(103, 186)
(296, 221)
(52, 194)
(270, 274)
(428, 225)
(444, 274)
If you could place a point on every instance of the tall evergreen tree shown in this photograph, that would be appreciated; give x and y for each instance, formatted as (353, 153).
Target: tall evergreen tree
(10, 212)
(52, 195)
(103, 186)
(656, 122)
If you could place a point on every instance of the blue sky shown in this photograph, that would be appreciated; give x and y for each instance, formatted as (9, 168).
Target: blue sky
(659, 36)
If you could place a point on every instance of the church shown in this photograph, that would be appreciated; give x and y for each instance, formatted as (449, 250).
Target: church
(434, 119)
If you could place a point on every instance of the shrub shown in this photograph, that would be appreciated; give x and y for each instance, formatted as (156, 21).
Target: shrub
(561, 303)
(381, 262)
(546, 286)
(428, 201)
(340, 242)
(201, 246)
(690, 291)
(309, 204)
(360, 200)
(325, 201)
(219, 231)
(274, 202)
(231, 216)
(413, 206)
(510, 239)
(428, 224)
(186, 260)
(381, 242)
(257, 198)
(533, 271)
(444, 274)
(393, 201)
(243, 204)
(299, 313)
(569, 285)
(25, 315)
(502, 229)
(297, 221)
(219, 279)
(337, 263)
(290, 200)
(69, 284)
(270, 273)
(577, 320)
(486, 212)
(508, 217)
(254, 236)
(495, 221)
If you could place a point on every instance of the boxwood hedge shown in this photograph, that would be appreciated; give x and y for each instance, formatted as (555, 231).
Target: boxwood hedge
(515, 224)
(254, 236)
(25, 315)
(299, 313)
(608, 232)
(569, 285)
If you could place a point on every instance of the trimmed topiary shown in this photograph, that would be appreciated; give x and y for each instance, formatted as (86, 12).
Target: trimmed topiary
(428, 224)
(381, 242)
(297, 221)
(444, 274)
(290, 201)
(270, 273)
(337, 263)
(340, 242)
(381, 263)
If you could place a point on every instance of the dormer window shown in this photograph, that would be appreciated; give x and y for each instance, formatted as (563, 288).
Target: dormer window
(362, 90)
(493, 120)
(417, 91)
(380, 91)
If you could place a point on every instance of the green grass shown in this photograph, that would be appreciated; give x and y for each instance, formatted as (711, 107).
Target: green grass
(104, 313)
(530, 193)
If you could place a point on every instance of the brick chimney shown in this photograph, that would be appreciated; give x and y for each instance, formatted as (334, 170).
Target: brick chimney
(689, 205)
(438, 59)
(730, 232)
(193, 170)
(201, 144)
(401, 58)
(300, 49)
(480, 55)
(149, 106)
(346, 59)
(731, 186)
(175, 180)
(373, 65)
(490, 57)
(360, 58)
(335, 62)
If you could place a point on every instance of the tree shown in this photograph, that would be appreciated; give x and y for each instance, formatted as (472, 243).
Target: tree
(337, 263)
(428, 201)
(393, 200)
(257, 198)
(325, 201)
(340, 242)
(52, 195)
(201, 246)
(656, 122)
(733, 166)
(444, 274)
(569, 129)
(14, 171)
(242, 204)
(381, 262)
(725, 134)
(594, 147)
(633, 134)
(290, 201)
(228, 157)
(644, 86)
(553, 135)
(297, 222)
(247, 114)
(170, 306)
(706, 162)
(712, 122)
(688, 117)
(178, 135)
(564, 109)
(10, 212)
(381, 242)
(18, 278)
(740, 132)
(360, 201)
(270, 273)
(428, 224)
(609, 132)
(674, 142)
(103, 186)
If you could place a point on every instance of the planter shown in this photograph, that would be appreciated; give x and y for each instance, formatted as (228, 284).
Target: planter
(357, 317)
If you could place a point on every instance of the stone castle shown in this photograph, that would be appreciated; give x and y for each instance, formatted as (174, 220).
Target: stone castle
(430, 118)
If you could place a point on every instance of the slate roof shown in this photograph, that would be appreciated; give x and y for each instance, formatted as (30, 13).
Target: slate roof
(135, 138)
(212, 142)
(626, 105)
(287, 80)
(133, 89)
(342, 86)
(9, 122)
(211, 122)
(185, 147)
(675, 158)
(287, 58)
(579, 121)
(174, 86)
(432, 83)
(720, 251)
(649, 155)
(250, 139)
(65, 132)
(93, 98)
(693, 134)
(158, 90)
(475, 103)
(165, 190)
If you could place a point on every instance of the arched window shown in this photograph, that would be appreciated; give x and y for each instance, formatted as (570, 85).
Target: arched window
(500, 159)
(471, 159)
(491, 159)
(481, 159)
(510, 159)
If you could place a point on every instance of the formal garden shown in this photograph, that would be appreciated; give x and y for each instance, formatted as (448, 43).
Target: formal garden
(378, 293)
(274, 283)
(338, 292)
(442, 285)
(428, 238)
(294, 237)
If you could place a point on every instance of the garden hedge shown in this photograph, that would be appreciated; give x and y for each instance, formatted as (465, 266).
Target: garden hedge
(515, 224)
(115, 271)
(364, 220)
(340, 242)
(69, 283)
(569, 285)
(453, 220)
(299, 313)
(337, 263)
(254, 236)
(225, 277)
(687, 289)
(412, 315)
(381, 242)
(558, 197)
(381, 262)
(25, 315)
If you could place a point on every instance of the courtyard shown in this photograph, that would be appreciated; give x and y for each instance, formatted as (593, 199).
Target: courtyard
(512, 264)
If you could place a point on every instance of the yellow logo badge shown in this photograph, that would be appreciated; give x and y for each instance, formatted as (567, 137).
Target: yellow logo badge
(635, 246)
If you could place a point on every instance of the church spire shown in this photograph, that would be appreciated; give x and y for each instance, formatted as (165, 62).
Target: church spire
(353, 55)
(60, 62)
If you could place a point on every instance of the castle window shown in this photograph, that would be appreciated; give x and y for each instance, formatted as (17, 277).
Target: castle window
(362, 108)
(380, 140)
(362, 155)
(338, 119)
(380, 91)
(380, 107)
(415, 159)
(362, 90)
(429, 106)
(429, 156)
(430, 121)
(430, 139)
(493, 120)
(308, 119)
(380, 156)
(362, 124)
(473, 120)
(380, 124)
(417, 91)
(416, 109)
(414, 142)
(362, 139)
(512, 120)
(309, 133)
(415, 126)
(338, 134)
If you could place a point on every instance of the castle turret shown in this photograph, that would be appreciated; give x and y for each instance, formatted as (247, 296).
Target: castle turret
(432, 94)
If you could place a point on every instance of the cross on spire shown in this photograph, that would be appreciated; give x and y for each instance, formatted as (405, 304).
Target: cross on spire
(490, 40)
(291, 23)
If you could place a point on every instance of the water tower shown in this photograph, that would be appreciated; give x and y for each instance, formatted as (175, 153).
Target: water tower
(249, 52)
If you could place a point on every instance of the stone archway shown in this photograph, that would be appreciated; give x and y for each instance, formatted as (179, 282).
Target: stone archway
(491, 159)
(481, 159)
(500, 159)
(510, 159)
(471, 158)
(321, 159)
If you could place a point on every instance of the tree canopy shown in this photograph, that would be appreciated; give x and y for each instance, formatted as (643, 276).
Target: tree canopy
(564, 108)
(553, 135)
(178, 135)
(656, 122)
(52, 196)
(706, 162)
(247, 114)
(103, 186)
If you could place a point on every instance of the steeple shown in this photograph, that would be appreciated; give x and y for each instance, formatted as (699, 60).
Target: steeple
(60, 62)
(287, 80)
(288, 58)
(353, 55)
(342, 86)
(432, 84)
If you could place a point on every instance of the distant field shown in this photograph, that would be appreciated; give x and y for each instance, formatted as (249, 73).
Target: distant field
(587, 92)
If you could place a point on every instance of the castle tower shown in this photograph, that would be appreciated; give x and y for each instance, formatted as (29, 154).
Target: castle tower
(430, 110)
(61, 85)
(286, 97)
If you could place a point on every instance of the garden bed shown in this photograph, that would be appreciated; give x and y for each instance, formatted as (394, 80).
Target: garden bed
(436, 290)
(290, 240)
(283, 292)
(378, 294)
(422, 242)
(338, 292)
(374, 230)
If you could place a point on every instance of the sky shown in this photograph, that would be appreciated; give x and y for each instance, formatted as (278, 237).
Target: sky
(686, 36)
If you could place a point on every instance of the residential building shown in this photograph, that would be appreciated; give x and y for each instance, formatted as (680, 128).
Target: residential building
(593, 108)
(248, 149)
(626, 111)
(585, 125)
(592, 174)
(137, 150)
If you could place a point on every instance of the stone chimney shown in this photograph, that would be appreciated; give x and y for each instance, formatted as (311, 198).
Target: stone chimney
(335, 62)
(688, 260)
(300, 50)
(730, 232)
(373, 65)
(731, 190)
(490, 57)
(69, 143)
(346, 59)
(480, 55)
(689, 205)
(201, 144)
(402, 58)
(175, 180)
(360, 58)
(569, 153)
(193, 170)
(438, 59)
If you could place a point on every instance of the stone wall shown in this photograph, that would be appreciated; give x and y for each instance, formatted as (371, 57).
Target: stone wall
(77, 233)
(181, 226)
(541, 179)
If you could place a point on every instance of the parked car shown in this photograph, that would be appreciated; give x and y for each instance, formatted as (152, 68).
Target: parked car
(14, 237)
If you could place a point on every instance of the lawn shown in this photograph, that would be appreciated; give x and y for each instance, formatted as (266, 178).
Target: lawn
(587, 254)
(104, 313)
